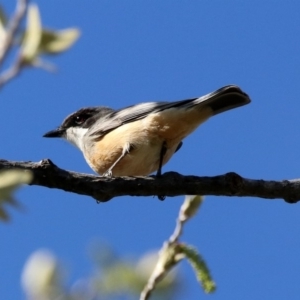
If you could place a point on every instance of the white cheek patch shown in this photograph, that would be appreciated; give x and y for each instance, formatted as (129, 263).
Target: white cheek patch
(75, 136)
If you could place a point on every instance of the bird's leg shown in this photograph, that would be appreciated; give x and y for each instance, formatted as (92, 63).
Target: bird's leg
(125, 151)
(163, 151)
(179, 147)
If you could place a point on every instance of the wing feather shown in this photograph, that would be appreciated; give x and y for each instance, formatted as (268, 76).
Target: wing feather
(136, 112)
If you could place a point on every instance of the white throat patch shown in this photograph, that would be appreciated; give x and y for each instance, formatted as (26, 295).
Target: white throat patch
(75, 136)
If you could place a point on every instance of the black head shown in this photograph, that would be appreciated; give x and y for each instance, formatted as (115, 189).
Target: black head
(83, 118)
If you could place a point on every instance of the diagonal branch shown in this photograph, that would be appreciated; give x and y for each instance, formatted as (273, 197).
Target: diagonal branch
(47, 174)
(5, 47)
(12, 29)
(12, 72)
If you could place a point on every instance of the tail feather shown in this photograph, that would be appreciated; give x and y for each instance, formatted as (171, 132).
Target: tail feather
(224, 99)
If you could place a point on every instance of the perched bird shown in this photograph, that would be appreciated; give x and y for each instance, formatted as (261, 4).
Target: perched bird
(138, 140)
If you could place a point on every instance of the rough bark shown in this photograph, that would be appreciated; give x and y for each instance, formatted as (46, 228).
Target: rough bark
(47, 174)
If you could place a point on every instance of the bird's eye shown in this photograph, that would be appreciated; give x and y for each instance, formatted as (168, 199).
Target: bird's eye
(79, 120)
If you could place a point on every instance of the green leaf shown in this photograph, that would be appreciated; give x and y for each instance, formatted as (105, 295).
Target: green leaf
(200, 267)
(54, 42)
(169, 256)
(3, 21)
(125, 277)
(42, 277)
(33, 34)
(3, 17)
(4, 215)
(9, 181)
(190, 207)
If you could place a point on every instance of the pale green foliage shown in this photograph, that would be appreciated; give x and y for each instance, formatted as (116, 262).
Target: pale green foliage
(41, 277)
(38, 41)
(33, 34)
(190, 207)
(200, 267)
(3, 17)
(174, 251)
(114, 278)
(54, 42)
(168, 257)
(120, 276)
(3, 21)
(9, 181)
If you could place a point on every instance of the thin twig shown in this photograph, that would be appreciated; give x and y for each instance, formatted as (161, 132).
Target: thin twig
(177, 231)
(150, 286)
(13, 71)
(167, 258)
(12, 28)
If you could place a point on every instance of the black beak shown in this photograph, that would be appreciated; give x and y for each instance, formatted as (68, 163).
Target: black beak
(54, 133)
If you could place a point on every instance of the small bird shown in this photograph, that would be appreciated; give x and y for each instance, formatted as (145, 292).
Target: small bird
(138, 140)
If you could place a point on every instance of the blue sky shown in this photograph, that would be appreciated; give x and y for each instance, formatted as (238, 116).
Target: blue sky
(136, 51)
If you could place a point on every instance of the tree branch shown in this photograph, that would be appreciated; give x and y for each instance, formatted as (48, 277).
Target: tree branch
(12, 29)
(46, 174)
(13, 71)
(170, 254)
(10, 33)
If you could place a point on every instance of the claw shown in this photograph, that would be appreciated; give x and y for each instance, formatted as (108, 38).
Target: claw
(107, 174)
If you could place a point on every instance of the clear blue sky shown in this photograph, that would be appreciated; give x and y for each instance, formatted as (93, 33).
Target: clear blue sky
(134, 51)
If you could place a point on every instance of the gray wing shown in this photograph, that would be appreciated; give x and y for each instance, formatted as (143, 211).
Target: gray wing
(127, 115)
(221, 100)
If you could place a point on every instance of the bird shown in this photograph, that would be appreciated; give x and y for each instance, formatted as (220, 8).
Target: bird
(138, 140)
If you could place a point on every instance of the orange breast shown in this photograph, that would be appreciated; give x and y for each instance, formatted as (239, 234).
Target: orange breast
(146, 137)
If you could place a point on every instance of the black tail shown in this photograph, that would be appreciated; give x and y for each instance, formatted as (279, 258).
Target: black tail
(223, 99)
